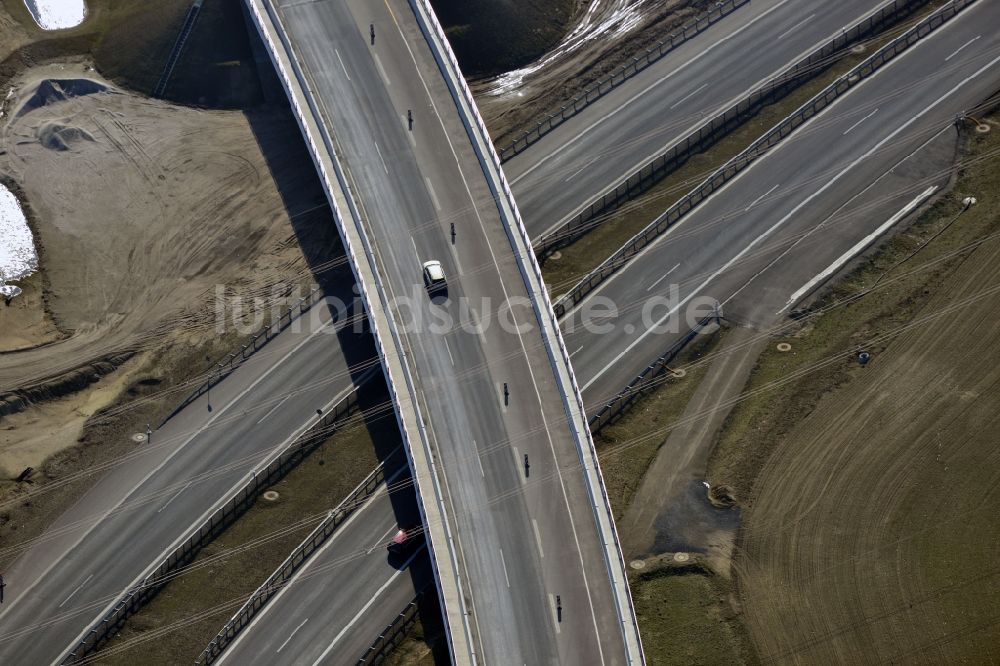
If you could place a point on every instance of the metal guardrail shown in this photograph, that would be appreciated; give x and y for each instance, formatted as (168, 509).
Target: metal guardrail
(390, 637)
(219, 520)
(758, 148)
(387, 340)
(555, 347)
(621, 75)
(225, 366)
(712, 131)
(175, 52)
(293, 563)
(646, 380)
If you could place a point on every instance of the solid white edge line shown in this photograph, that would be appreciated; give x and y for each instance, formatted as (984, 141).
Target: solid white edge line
(641, 93)
(343, 66)
(829, 183)
(857, 248)
(291, 635)
(368, 605)
(291, 581)
(145, 478)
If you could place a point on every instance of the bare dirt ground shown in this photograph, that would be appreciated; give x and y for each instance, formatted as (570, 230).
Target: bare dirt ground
(606, 33)
(139, 209)
(869, 535)
(12, 34)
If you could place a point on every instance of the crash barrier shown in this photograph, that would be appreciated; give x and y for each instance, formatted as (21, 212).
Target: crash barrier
(637, 64)
(322, 149)
(758, 148)
(225, 366)
(283, 574)
(548, 324)
(390, 637)
(172, 564)
(175, 52)
(648, 379)
(712, 131)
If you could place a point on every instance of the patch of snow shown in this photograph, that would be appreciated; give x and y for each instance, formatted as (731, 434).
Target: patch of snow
(604, 19)
(18, 258)
(57, 14)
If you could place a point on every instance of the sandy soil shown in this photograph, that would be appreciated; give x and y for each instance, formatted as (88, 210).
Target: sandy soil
(140, 208)
(12, 35)
(871, 536)
(671, 510)
(607, 32)
(29, 437)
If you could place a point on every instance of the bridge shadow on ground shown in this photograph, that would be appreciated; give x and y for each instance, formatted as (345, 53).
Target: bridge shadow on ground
(315, 230)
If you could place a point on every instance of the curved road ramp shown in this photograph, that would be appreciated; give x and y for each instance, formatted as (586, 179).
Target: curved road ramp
(527, 564)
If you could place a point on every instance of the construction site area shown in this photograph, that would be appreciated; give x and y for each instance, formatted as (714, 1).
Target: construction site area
(809, 485)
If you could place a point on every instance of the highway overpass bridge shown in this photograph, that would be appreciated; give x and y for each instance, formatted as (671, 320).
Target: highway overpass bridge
(396, 137)
(829, 200)
(102, 528)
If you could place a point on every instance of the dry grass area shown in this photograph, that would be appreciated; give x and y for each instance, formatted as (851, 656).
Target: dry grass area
(575, 64)
(685, 618)
(684, 612)
(187, 202)
(626, 448)
(868, 535)
(155, 383)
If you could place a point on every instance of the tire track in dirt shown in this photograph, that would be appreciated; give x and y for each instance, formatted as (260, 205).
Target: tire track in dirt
(871, 529)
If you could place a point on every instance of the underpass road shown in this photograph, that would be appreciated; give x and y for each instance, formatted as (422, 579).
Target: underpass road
(62, 584)
(412, 186)
(329, 611)
(795, 193)
(592, 152)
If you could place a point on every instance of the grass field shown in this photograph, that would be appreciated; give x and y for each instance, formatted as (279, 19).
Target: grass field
(685, 618)
(867, 533)
(627, 447)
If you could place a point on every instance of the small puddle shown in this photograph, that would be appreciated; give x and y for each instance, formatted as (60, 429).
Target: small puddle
(692, 524)
(57, 14)
(18, 258)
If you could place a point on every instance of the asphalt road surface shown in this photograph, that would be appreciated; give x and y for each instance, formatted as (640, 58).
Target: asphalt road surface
(70, 577)
(594, 151)
(817, 239)
(519, 544)
(828, 226)
(50, 602)
(326, 613)
(768, 233)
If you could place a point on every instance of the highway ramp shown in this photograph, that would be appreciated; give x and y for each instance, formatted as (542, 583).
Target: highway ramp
(520, 546)
(65, 580)
(737, 247)
(592, 152)
(328, 613)
(824, 229)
